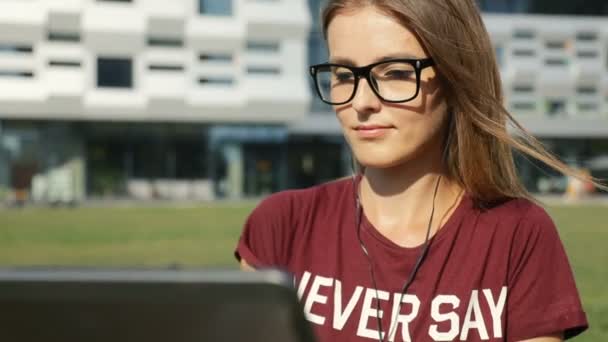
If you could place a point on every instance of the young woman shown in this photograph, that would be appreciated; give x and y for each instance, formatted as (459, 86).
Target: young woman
(435, 238)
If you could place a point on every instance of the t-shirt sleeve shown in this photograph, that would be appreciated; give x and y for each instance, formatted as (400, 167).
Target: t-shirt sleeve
(265, 240)
(543, 298)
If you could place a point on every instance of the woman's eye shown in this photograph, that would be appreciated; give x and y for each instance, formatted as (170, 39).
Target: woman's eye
(399, 74)
(344, 76)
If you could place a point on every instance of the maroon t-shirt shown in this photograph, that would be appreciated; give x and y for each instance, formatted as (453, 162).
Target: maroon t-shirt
(498, 274)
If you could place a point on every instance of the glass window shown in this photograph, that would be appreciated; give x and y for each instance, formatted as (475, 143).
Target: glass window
(217, 81)
(567, 7)
(523, 88)
(586, 36)
(523, 106)
(64, 63)
(586, 90)
(556, 62)
(587, 106)
(504, 6)
(587, 54)
(556, 107)
(524, 34)
(494, 5)
(14, 73)
(524, 53)
(262, 46)
(263, 70)
(217, 57)
(72, 37)
(166, 67)
(215, 7)
(555, 44)
(114, 73)
(8, 48)
(165, 42)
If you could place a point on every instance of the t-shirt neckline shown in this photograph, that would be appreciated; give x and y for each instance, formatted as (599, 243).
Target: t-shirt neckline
(463, 205)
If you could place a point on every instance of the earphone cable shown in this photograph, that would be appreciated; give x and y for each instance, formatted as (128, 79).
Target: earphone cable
(412, 275)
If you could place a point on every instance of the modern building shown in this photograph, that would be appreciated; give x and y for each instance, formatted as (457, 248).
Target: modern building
(149, 98)
(204, 99)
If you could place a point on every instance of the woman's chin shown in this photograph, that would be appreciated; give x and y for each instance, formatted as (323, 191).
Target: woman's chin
(380, 163)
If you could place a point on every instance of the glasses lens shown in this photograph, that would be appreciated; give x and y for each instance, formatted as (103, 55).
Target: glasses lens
(395, 81)
(336, 84)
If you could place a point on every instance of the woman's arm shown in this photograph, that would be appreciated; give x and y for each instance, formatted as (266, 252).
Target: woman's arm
(552, 338)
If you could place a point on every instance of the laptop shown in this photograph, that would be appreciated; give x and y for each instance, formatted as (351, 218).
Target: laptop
(93, 305)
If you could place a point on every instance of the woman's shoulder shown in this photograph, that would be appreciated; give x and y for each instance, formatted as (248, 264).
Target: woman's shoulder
(522, 209)
(519, 216)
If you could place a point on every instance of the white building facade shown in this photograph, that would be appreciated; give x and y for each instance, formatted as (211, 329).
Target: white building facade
(147, 98)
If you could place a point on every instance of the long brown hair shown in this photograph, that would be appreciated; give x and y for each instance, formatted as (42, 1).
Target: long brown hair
(479, 152)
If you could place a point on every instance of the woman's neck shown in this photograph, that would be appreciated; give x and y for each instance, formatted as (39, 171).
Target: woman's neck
(398, 201)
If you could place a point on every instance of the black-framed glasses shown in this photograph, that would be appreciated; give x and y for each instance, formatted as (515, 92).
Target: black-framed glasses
(394, 80)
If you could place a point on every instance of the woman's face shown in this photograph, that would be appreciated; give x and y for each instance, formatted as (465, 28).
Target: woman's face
(383, 134)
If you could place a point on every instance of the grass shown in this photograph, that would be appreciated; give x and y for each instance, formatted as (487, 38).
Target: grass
(206, 236)
(121, 237)
(584, 231)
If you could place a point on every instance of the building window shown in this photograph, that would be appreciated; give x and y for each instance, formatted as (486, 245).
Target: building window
(215, 7)
(64, 37)
(523, 34)
(504, 6)
(523, 88)
(586, 90)
(7, 48)
(586, 36)
(555, 45)
(166, 67)
(556, 107)
(66, 64)
(524, 53)
(587, 107)
(114, 73)
(265, 47)
(586, 7)
(263, 70)
(587, 54)
(217, 81)
(165, 42)
(556, 62)
(13, 73)
(523, 106)
(218, 57)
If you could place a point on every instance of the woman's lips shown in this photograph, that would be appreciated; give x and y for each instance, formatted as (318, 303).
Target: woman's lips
(372, 131)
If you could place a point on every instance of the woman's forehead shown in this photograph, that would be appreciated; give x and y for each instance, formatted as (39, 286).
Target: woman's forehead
(366, 35)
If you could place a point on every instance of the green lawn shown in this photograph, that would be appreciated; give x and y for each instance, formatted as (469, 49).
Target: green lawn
(206, 236)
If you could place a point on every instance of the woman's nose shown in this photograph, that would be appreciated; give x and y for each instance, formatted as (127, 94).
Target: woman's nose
(365, 100)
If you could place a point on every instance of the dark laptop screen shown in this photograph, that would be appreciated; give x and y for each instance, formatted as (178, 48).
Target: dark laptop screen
(150, 306)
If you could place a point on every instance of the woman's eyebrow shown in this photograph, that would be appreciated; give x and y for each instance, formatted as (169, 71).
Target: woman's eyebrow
(348, 61)
(341, 60)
